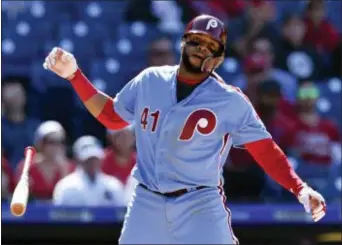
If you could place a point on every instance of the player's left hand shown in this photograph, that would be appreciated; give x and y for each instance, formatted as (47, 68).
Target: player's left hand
(313, 203)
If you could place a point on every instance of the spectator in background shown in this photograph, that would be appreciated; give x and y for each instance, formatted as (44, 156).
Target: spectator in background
(140, 10)
(120, 156)
(50, 164)
(161, 53)
(14, 8)
(259, 20)
(233, 8)
(17, 128)
(319, 32)
(88, 186)
(255, 71)
(244, 179)
(259, 66)
(224, 10)
(314, 141)
(293, 55)
(275, 112)
(169, 14)
(287, 81)
(7, 180)
(165, 14)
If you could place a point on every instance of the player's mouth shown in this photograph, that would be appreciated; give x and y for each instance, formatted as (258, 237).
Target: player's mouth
(198, 56)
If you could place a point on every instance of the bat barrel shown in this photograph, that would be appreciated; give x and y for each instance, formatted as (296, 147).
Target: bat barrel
(21, 191)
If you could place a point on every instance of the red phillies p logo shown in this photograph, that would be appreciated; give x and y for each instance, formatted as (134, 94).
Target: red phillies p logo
(203, 121)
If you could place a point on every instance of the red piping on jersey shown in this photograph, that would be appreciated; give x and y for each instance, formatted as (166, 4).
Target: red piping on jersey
(224, 144)
(274, 162)
(217, 77)
(229, 214)
(85, 90)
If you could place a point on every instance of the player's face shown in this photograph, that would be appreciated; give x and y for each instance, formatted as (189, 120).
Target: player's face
(307, 97)
(53, 145)
(13, 95)
(91, 165)
(161, 53)
(270, 101)
(196, 49)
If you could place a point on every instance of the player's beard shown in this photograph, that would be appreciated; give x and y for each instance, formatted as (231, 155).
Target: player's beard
(187, 64)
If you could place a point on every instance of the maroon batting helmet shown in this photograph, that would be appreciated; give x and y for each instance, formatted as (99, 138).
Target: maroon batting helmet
(208, 25)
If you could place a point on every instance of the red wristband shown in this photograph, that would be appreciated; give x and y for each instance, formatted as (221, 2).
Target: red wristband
(82, 86)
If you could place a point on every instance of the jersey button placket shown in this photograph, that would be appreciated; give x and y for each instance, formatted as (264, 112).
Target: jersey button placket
(160, 152)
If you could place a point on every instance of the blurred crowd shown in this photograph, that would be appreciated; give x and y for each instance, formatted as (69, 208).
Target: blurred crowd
(282, 54)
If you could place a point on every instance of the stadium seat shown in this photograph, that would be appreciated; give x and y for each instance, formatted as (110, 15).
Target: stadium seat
(329, 104)
(43, 79)
(139, 33)
(229, 69)
(109, 75)
(14, 48)
(36, 11)
(83, 57)
(16, 36)
(333, 13)
(28, 30)
(15, 69)
(133, 55)
(110, 12)
(83, 39)
(83, 30)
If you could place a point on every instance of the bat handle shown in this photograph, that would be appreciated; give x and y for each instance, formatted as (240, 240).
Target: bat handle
(29, 151)
(29, 154)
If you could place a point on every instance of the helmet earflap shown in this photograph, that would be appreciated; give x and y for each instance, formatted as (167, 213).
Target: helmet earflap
(211, 63)
(182, 44)
(219, 61)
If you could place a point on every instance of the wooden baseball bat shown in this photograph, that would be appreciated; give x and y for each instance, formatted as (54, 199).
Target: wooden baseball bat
(21, 191)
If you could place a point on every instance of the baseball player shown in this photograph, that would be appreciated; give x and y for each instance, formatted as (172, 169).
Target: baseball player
(186, 119)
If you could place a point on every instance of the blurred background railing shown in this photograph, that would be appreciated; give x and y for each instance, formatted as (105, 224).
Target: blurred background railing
(285, 55)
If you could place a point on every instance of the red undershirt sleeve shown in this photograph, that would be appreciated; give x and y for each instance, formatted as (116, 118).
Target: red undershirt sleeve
(109, 118)
(85, 90)
(274, 162)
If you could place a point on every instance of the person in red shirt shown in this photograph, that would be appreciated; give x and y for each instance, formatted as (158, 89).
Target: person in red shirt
(120, 156)
(319, 32)
(314, 141)
(276, 113)
(50, 164)
(314, 138)
(7, 179)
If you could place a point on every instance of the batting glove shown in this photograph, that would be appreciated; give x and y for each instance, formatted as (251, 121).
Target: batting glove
(61, 62)
(313, 202)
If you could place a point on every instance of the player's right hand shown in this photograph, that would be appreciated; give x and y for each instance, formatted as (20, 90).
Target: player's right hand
(61, 62)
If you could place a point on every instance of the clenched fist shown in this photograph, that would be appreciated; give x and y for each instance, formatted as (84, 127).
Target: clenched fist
(61, 62)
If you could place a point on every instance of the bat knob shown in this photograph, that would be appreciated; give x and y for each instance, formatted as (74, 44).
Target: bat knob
(17, 209)
(30, 148)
